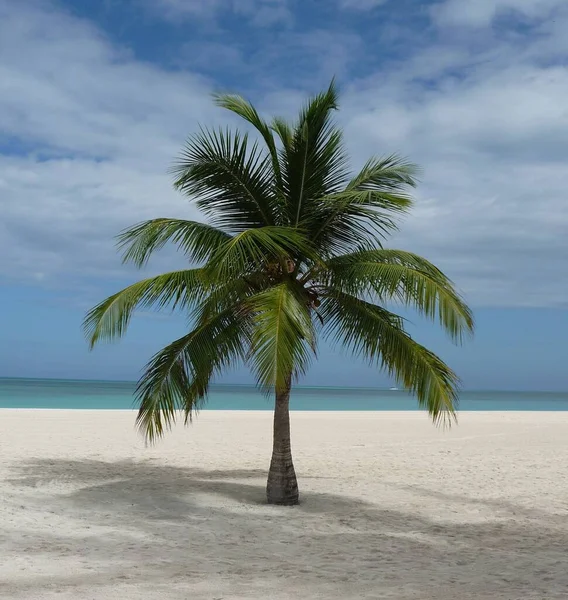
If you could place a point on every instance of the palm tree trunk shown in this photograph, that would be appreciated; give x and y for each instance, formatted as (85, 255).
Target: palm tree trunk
(282, 486)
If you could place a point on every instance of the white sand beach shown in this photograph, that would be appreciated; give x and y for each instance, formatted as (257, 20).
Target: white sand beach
(392, 507)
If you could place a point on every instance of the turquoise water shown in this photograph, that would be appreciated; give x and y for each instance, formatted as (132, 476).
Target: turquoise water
(58, 393)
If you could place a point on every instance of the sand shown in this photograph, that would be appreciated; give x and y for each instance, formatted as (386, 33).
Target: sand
(391, 508)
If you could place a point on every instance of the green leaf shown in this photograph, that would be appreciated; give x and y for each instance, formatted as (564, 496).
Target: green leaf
(177, 378)
(293, 244)
(198, 241)
(282, 338)
(367, 208)
(345, 222)
(390, 174)
(232, 182)
(238, 105)
(284, 132)
(313, 157)
(379, 336)
(178, 289)
(406, 278)
(255, 249)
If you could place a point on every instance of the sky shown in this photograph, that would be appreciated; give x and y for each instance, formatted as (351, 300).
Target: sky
(98, 96)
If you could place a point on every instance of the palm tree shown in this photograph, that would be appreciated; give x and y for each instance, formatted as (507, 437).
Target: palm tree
(293, 250)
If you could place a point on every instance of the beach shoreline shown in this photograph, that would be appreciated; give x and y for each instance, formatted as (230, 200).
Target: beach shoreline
(391, 507)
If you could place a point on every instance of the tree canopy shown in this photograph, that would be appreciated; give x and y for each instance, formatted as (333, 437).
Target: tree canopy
(292, 250)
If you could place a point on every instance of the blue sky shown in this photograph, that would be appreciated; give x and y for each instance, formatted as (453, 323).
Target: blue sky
(96, 98)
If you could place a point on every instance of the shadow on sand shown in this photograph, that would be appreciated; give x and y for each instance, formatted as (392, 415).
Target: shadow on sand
(207, 534)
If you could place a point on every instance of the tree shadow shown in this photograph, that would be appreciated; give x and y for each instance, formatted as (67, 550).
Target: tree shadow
(190, 533)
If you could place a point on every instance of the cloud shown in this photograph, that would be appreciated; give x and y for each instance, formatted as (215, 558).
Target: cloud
(93, 132)
(262, 13)
(480, 13)
(489, 126)
(89, 131)
(317, 56)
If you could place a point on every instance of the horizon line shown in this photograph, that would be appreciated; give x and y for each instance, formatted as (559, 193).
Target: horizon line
(253, 385)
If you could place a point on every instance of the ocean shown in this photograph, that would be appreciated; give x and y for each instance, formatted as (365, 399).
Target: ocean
(60, 393)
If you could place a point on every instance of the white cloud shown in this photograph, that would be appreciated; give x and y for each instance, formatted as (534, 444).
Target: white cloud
(92, 131)
(259, 12)
(98, 131)
(60, 215)
(490, 130)
(316, 55)
(480, 13)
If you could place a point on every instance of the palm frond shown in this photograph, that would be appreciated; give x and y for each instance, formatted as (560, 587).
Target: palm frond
(378, 335)
(391, 174)
(368, 208)
(244, 109)
(232, 293)
(253, 249)
(314, 160)
(177, 378)
(284, 131)
(292, 237)
(348, 221)
(282, 336)
(405, 278)
(198, 241)
(178, 289)
(230, 179)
